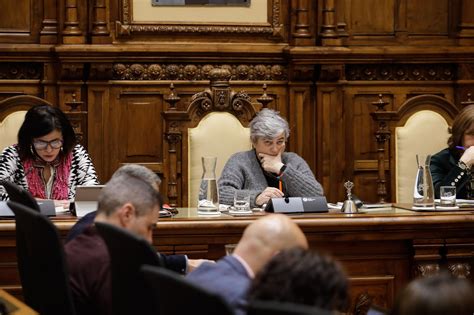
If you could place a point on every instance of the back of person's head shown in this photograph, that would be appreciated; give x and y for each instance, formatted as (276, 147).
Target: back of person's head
(266, 236)
(268, 124)
(302, 277)
(436, 295)
(139, 171)
(41, 120)
(462, 124)
(125, 188)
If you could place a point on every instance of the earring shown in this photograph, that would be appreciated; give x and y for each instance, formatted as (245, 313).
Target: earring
(31, 149)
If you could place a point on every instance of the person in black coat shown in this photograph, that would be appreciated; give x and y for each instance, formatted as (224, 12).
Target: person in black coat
(453, 165)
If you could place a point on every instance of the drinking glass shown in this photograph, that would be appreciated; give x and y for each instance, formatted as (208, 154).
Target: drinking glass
(242, 200)
(447, 196)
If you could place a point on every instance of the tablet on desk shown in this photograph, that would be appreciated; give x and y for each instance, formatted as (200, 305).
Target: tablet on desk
(46, 207)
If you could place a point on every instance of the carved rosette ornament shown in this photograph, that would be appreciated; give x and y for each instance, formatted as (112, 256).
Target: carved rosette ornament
(460, 270)
(20, 71)
(195, 72)
(426, 270)
(401, 72)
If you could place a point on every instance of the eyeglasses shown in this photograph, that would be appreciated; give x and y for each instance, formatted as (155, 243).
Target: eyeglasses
(42, 145)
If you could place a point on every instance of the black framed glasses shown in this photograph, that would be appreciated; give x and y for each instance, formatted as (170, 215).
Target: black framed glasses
(42, 145)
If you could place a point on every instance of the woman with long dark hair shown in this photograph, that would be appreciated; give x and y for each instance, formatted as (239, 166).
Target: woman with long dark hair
(47, 160)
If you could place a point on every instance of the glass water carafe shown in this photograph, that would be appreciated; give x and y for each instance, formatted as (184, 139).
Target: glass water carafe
(208, 199)
(423, 193)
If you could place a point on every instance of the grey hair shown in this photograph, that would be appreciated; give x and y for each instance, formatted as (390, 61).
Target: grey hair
(139, 171)
(268, 124)
(125, 188)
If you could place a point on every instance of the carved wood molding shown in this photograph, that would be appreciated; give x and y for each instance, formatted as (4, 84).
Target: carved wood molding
(21, 71)
(274, 26)
(401, 72)
(460, 270)
(194, 72)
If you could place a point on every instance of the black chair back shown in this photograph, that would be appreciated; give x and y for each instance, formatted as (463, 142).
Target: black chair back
(177, 296)
(257, 307)
(20, 195)
(127, 254)
(41, 263)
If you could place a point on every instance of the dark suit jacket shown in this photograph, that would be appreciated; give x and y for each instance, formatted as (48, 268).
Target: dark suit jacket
(446, 172)
(176, 263)
(227, 277)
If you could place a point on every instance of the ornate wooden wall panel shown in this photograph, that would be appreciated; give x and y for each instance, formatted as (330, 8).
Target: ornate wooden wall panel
(20, 21)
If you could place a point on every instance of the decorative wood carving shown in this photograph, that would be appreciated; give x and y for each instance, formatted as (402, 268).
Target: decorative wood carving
(265, 99)
(382, 136)
(126, 26)
(220, 97)
(331, 73)
(362, 304)
(426, 270)
(400, 72)
(49, 28)
(172, 98)
(74, 105)
(136, 71)
(21, 71)
(468, 101)
(460, 270)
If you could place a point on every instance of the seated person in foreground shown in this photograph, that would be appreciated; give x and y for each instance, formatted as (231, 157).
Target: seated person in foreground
(302, 277)
(47, 161)
(129, 202)
(436, 295)
(453, 165)
(267, 171)
(178, 263)
(231, 276)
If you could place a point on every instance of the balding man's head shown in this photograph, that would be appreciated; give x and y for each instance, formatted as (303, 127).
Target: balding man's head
(267, 236)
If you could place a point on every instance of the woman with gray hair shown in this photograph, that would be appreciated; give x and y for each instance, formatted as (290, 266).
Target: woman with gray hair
(267, 171)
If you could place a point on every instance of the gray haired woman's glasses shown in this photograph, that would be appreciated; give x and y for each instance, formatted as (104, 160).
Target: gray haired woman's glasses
(42, 145)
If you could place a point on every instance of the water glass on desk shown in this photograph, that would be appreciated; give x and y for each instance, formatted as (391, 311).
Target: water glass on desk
(242, 201)
(447, 196)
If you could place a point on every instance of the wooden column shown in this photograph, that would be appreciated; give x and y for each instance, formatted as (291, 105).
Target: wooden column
(382, 136)
(72, 33)
(174, 139)
(329, 36)
(100, 27)
(302, 32)
(49, 27)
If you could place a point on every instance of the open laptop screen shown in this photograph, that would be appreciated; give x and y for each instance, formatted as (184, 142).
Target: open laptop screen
(86, 200)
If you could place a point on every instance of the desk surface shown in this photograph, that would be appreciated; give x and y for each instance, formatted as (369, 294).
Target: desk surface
(381, 249)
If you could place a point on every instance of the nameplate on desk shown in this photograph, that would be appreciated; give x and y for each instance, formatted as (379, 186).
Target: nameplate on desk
(297, 205)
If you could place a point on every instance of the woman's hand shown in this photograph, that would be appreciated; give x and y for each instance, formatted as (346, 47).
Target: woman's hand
(468, 156)
(269, 192)
(271, 163)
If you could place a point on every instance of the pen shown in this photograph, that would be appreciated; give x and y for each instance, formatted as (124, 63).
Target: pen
(460, 147)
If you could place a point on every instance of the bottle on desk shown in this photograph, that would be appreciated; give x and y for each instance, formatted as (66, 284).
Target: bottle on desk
(423, 192)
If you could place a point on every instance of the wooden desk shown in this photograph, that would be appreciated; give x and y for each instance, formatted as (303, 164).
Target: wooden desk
(380, 249)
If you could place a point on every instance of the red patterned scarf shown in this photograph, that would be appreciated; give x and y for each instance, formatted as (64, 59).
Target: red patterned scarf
(36, 186)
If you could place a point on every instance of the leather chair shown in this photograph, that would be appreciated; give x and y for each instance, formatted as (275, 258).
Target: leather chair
(41, 263)
(127, 254)
(178, 296)
(283, 308)
(218, 134)
(425, 132)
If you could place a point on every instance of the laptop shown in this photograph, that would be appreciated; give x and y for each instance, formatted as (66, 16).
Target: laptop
(46, 207)
(87, 199)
